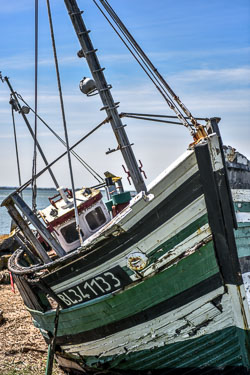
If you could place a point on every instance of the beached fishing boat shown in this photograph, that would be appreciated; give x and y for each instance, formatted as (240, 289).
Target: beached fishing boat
(151, 284)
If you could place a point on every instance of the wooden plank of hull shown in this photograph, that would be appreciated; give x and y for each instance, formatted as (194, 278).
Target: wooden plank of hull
(241, 199)
(171, 196)
(192, 229)
(150, 317)
(181, 328)
(147, 296)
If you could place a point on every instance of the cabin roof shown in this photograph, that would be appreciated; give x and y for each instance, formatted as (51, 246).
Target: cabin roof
(58, 211)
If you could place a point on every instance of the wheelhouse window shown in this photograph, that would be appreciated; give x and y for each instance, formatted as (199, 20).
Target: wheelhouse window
(70, 233)
(95, 218)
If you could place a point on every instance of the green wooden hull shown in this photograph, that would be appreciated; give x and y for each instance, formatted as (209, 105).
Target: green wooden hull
(185, 309)
(221, 350)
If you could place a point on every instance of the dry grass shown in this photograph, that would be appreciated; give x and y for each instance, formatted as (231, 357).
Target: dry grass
(22, 348)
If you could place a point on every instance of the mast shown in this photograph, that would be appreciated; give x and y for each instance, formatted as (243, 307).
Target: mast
(104, 91)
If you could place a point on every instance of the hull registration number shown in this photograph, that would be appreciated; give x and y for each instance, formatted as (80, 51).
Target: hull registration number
(95, 287)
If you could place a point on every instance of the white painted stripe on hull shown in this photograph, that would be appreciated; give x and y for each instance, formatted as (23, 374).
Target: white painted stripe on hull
(203, 233)
(161, 191)
(215, 154)
(200, 317)
(165, 232)
(241, 195)
(168, 181)
(246, 280)
(243, 217)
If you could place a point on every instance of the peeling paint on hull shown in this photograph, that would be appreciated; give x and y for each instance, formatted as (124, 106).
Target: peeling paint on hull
(187, 309)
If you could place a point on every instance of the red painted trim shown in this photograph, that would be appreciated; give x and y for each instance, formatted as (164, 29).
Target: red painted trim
(118, 208)
(71, 213)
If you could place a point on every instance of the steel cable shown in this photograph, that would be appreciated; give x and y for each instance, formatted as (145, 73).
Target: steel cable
(64, 122)
(34, 163)
(78, 157)
(152, 73)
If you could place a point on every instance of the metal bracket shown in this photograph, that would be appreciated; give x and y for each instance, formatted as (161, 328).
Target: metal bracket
(83, 32)
(118, 148)
(141, 170)
(112, 150)
(75, 13)
(91, 51)
(128, 174)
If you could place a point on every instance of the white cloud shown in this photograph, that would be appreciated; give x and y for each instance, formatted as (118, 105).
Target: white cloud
(24, 62)
(166, 55)
(234, 75)
(82, 114)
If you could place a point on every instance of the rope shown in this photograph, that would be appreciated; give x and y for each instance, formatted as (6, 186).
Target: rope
(146, 60)
(83, 162)
(64, 122)
(125, 114)
(26, 184)
(152, 119)
(153, 74)
(34, 165)
(19, 108)
(16, 147)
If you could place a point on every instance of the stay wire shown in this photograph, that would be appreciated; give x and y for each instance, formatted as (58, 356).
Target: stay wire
(64, 122)
(145, 60)
(151, 119)
(125, 114)
(20, 110)
(27, 183)
(34, 164)
(139, 53)
(16, 148)
(83, 162)
(132, 53)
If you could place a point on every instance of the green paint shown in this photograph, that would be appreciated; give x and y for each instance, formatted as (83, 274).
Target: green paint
(242, 206)
(178, 238)
(175, 240)
(242, 237)
(136, 298)
(227, 347)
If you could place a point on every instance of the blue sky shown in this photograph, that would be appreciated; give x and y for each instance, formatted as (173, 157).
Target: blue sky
(201, 47)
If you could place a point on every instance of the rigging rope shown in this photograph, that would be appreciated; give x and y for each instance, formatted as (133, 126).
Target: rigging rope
(64, 122)
(151, 119)
(20, 110)
(155, 118)
(16, 147)
(83, 162)
(157, 115)
(152, 73)
(34, 165)
(26, 184)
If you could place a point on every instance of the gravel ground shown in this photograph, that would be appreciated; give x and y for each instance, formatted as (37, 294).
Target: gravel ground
(22, 348)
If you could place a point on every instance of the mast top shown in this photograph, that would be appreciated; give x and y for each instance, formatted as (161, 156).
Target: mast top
(109, 105)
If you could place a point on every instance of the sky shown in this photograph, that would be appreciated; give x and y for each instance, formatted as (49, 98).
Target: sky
(200, 47)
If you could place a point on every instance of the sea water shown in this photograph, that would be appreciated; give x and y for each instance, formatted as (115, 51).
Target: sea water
(42, 202)
(43, 195)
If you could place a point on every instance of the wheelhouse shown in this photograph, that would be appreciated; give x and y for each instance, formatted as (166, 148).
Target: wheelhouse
(59, 217)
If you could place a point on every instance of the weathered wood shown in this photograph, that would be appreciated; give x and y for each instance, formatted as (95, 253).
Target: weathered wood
(219, 215)
(37, 224)
(28, 296)
(52, 346)
(41, 252)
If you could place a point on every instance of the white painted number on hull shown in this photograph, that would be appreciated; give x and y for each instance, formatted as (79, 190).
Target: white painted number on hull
(90, 289)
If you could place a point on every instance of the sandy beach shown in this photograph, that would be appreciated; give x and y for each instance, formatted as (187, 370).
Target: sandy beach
(22, 348)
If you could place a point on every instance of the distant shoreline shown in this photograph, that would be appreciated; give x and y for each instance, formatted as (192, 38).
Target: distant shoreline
(28, 188)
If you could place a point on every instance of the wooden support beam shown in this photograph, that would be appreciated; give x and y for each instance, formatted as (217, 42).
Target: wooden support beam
(19, 220)
(42, 230)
